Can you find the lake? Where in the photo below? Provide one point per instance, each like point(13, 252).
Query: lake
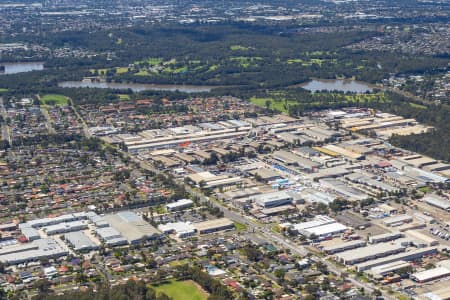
point(342, 85)
point(21, 67)
point(137, 87)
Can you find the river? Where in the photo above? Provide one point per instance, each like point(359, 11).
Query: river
point(21, 67)
point(342, 85)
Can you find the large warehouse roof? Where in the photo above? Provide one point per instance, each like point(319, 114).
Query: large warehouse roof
point(42, 248)
point(370, 252)
point(131, 226)
point(431, 274)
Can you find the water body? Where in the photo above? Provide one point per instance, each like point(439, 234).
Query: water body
point(20, 67)
point(137, 87)
point(341, 85)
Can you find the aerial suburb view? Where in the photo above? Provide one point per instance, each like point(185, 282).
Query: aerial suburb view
point(224, 149)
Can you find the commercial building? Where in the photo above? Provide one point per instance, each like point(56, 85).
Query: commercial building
point(266, 174)
point(344, 246)
point(163, 139)
point(382, 270)
point(110, 236)
point(238, 194)
point(344, 152)
point(332, 172)
point(385, 237)
point(370, 182)
point(213, 226)
point(180, 229)
point(34, 251)
point(430, 274)
point(397, 220)
point(30, 233)
point(318, 220)
point(132, 227)
point(421, 239)
point(290, 158)
point(437, 201)
point(39, 223)
point(424, 218)
point(424, 176)
point(79, 241)
point(272, 199)
point(179, 205)
point(99, 221)
point(440, 294)
point(405, 256)
point(65, 227)
point(208, 180)
point(371, 252)
point(324, 231)
point(343, 190)
point(314, 196)
point(277, 210)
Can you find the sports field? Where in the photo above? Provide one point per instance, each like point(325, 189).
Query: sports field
point(54, 99)
point(182, 290)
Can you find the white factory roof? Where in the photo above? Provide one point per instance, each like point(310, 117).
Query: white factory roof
point(180, 203)
point(269, 197)
point(327, 229)
point(349, 244)
point(42, 248)
point(431, 274)
point(385, 236)
point(421, 236)
point(389, 267)
point(319, 220)
point(178, 227)
point(80, 241)
point(131, 226)
point(369, 251)
point(65, 227)
point(397, 219)
point(437, 201)
point(396, 257)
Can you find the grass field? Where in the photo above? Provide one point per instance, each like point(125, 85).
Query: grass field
point(54, 99)
point(415, 105)
point(277, 105)
point(240, 227)
point(124, 97)
point(182, 290)
point(121, 70)
point(282, 105)
point(152, 61)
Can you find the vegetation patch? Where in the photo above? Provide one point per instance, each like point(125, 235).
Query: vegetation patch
point(121, 70)
point(152, 61)
point(124, 97)
point(240, 227)
point(281, 105)
point(54, 99)
point(238, 48)
point(182, 290)
point(245, 61)
point(142, 72)
point(415, 105)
